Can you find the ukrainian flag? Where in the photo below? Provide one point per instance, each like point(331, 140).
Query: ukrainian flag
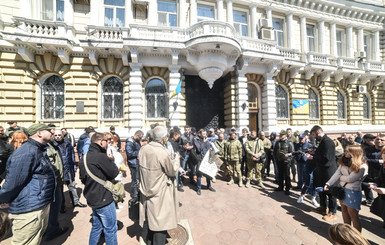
point(301, 106)
point(178, 87)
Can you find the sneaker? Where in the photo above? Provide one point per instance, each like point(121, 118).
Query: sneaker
point(120, 206)
point(230, 182)
point(118, 210)
point(315, 203)
point(212, 189)
point(329, 217)
point(214, 180)
point(300, 199)
point(367, 202)
point(180, 189)
point(199, 192)
point(260, 184)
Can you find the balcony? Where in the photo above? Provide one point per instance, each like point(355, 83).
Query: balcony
point(345, 62)
point(290, 54)
point(317, 58)
point(104, 33)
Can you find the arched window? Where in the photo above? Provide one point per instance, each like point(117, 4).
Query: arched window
point(156, 98)
point(112, 98)
point(52, 92)
point(313, 104)
point(282, 101)
point(366, 106)
point(341, 105)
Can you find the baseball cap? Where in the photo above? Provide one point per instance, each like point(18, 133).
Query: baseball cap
point(11, 122)
point(369, 136)
point(112, 128)
point(283, 132)
point(34, 128)
point(302, 136)
point(211, 130)
point(233, 129)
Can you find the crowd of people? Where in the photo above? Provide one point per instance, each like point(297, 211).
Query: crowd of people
point(36, 163)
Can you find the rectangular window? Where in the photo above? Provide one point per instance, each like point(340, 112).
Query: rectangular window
point(367, 46)
point(114, 15)
point(205, 12)
point(52, 10)
point(140, 12)
point(340, 40)
point(167, 13)
point(310, 32)
point(240, 23)
point(278, 31)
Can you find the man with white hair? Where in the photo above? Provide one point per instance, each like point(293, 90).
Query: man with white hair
point(157, 171)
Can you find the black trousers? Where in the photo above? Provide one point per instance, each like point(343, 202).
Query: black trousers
point(332, 201)
point(284, 174)
point(156, 237)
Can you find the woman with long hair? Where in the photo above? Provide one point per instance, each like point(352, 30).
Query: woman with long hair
point(346, 235)
point(350, 173)
point(18, 138)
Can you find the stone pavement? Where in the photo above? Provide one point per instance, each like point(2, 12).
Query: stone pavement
point(231, 215)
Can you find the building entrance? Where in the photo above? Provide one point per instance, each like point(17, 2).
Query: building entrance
point(204, 106)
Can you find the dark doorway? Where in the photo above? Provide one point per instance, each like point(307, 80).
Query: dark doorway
point(204, 106)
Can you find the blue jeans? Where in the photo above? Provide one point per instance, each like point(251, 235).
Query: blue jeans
point(301, 172)
point(104, 220)
point(308, 179)
point(53, 221)
point(134, 182)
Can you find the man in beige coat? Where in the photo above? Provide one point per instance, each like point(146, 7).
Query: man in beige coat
point(158, 202)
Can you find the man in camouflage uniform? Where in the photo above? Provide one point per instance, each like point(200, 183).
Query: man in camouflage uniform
point(254, 150)
point(294, 140)
point(267, 149)
point(233, 154)
point(220, 145)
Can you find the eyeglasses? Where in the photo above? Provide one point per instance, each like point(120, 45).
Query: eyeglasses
point(109, 139)
point(49, 130)
point(57, 134)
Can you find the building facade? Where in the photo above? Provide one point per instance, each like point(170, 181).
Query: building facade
point(261, 64)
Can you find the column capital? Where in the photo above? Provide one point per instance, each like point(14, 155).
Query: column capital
point(136, 66)
point(174, 68)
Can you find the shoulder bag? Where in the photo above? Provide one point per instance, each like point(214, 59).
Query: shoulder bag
point(338, 191)
point(116, 188)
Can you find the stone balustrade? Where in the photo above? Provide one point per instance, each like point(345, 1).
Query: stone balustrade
point(107, 33)
point(259, 45)
point(157, 33)
point(41, 28)
point(290, 54)
point(317, 58)
point(375, 66)
point(345, 62)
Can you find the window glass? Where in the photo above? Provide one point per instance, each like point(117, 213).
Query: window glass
point(53, 98)
point(156, 100)
point(341, 105)
point(367, 46)
point(47, 9)
point(112, 98)
point(108, 17)
point(240, 22)
point(281, 97)
point(278, 29)
point(313, 104)
point(167, 13)
point(120, 3)
point(310, 37)
point(59, 10)
point(340, 43)
point(119, 17)
point(114, 13)
point(205, 12)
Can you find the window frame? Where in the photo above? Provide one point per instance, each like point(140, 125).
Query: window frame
point(282, 20)
point(287, 102)
point(315, 91)
point(206, 4)
point(167, 13)
point(239, 10)
point(369, 106)
point(102, 93)
point(342, 42)
point(368, 47)
point(114, 18)
point(155, 109)
point(54, 10)
point(314, 37)
point(42, 94)
point(343, 94)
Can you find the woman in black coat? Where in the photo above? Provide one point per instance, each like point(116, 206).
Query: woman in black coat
point(378, 206)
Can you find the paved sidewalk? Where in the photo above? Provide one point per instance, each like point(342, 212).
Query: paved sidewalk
point(231, 215)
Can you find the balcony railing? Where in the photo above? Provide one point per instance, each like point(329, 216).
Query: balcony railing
point(375, 66)
point(345, 62)
point(206, 28)
point(259, 45)
point(323, 59)
point(42, 28)
point(290, 54)
point(107, 33)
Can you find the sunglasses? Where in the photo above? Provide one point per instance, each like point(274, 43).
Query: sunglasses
point(57, 134)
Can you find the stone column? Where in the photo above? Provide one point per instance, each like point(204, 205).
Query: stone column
point(220, 10)
point(94, 9)
point(193, 12)
point(349, 42)
point(304, 46)
point(376, 45)
point(182, 14)
point(289, 23)
point(135, 101)
point(153, 13)
point(269, 17)
point(269, 111)
point(360, 39)
point(253, 14)
point(230, 16)
point(129, 13)
point(333, 39)
point(69, 12)
point(321, 33)
point(242, 102)
point(174, 104)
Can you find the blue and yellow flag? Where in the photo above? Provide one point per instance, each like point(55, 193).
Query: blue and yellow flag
point(301, 106)
point(178, 87)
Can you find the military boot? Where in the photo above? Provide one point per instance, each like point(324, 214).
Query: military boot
point(260, 184)
point(240, 184)
point(231, 181)
point(247, 183)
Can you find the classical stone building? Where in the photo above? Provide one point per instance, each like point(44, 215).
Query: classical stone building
point(262, 64)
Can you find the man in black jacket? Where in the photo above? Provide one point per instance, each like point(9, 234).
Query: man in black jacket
point(325, 160)
point(98, 197)
point(282, 153)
